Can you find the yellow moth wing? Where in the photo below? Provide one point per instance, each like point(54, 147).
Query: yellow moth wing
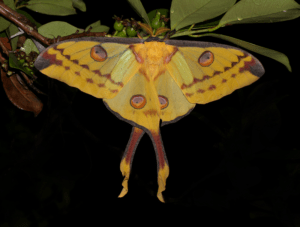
point(206, 72)
point(173, 104)
point(76, 63)
point(137, 103)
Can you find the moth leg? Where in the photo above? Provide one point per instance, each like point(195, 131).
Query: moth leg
point(126, 162)
point(162, 163)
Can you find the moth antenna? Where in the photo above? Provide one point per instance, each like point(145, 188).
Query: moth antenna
point(161, 30)
point(169, 34)
point(147, 28)
point(139, 35)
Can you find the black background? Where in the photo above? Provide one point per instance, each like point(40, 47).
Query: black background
point(86, 152)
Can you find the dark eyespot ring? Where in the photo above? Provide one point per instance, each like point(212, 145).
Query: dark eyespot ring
point(98, 53)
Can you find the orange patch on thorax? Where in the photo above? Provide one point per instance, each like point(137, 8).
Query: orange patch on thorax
point(153, 56)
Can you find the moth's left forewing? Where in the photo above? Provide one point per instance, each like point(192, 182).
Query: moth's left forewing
point(208, 71)
point(98, 66)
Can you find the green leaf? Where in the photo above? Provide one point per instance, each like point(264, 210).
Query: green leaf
point(186, 32)
point(97, 27)
point(208, 24)
point(29, 46)
point(277, 56)
point(261, 11)
point(28, 16)
point(14, 63)
point(13, 29)
point(57, 28)
point(79, 4)
point(52, 7)
point(3, 34)
point(4, 24)
point(139, 8)
point(184, 13)
point(152, 14)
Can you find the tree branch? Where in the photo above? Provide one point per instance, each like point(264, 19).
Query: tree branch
point(22, 22)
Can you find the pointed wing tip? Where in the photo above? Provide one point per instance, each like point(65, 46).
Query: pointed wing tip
point(257, 69)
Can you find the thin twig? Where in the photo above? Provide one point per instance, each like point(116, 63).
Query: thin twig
point(29, 28)
point(21, 22)
point(30, 83)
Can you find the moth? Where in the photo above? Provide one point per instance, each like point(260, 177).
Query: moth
point(147, 81)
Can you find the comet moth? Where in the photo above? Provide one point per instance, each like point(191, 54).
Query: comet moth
point(147, 81)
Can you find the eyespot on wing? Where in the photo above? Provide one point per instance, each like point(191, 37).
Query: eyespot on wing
point(98, 53)
point(138, 101)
